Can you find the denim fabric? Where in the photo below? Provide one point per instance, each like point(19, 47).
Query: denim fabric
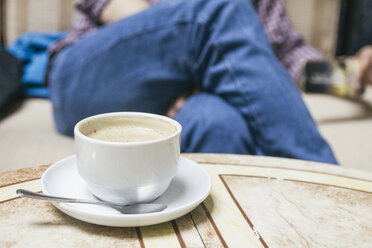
point(210, 124)
point(144, 62)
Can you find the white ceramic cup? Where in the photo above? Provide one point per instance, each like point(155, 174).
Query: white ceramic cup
point(127, 172)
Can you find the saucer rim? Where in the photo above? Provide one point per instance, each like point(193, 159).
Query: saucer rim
point(173, 213)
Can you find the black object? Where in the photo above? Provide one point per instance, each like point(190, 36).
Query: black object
point(317, 77)
point(355, 26)
point(10, 73)
point(10, 81)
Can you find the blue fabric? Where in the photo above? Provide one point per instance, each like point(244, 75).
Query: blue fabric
point(249, 104)
point(208, 119)
point(31, 48)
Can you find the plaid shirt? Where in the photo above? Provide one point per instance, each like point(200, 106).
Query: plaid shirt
point(288, 45)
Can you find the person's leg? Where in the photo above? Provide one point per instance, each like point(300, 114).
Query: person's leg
point(237, 63)
point(211, 125)
point(144, 62)
point(136, 64)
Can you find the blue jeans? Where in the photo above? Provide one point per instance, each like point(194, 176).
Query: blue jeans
point(248, 104)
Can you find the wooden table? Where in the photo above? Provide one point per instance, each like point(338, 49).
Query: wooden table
point(255, 202)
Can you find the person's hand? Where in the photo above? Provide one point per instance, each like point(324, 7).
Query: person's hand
point(180, 101)
point(119, 9)
point(178, 104)
point(365, 74)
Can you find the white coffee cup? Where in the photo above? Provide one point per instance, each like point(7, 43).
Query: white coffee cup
point(129, 171)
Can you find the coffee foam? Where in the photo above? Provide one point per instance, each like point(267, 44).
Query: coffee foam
point(127, 129)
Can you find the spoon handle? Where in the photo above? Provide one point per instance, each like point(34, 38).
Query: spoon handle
point(33, 195)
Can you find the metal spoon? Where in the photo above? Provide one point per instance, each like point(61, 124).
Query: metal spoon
point(140, 208)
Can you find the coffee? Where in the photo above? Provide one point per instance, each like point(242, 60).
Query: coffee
point(127, 129)
point(127, 157)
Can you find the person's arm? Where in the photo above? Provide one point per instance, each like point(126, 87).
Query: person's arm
point(289, 47)
point(86, 20)
point(365, 73)
point(118, 9)
point(91, 10)
point(95, 13)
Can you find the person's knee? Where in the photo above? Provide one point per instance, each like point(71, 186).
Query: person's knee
point(212, 125)
point(219, 117)
point(59, 112)
point(61, 123)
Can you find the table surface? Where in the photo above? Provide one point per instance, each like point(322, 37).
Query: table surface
point(254, 202)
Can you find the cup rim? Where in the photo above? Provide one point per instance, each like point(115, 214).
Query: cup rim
point(173, 122)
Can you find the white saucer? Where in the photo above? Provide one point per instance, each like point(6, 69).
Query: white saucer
point(188, 189)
